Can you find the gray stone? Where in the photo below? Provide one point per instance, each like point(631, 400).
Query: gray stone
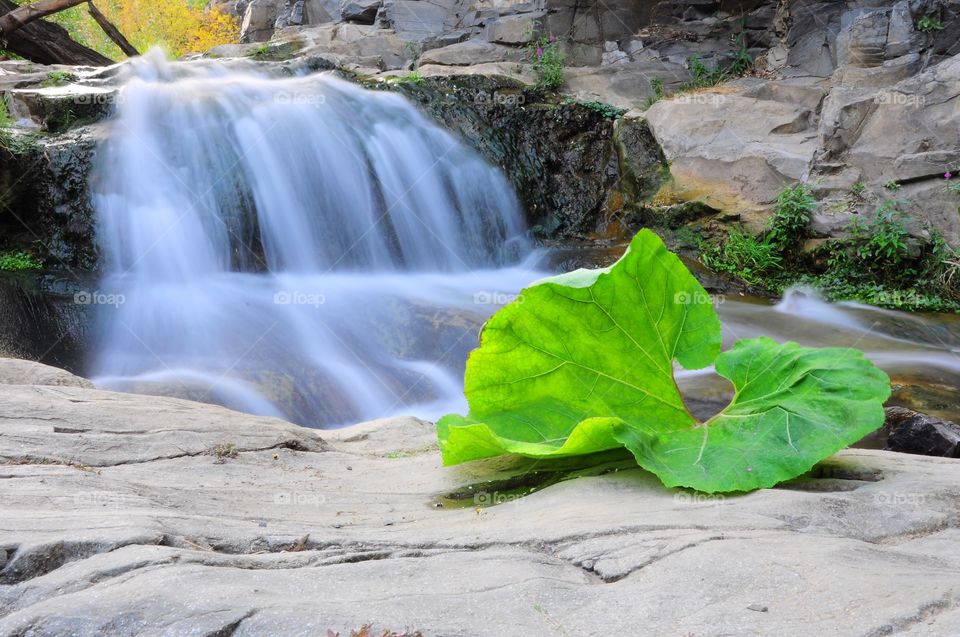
point(258, 20)
point(912, 432)
point(362, 11)
point(22, 372)
point(469, 53)
point(145, 538)
point(514, 29)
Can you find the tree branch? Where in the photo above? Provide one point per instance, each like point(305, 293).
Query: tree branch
point(112, 32)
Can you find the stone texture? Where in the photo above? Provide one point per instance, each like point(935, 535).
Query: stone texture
point(362, 11)
point(22, 372)
point(911, 432)
point(125, 526)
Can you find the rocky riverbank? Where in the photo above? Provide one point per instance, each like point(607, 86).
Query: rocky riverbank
point(128, 514)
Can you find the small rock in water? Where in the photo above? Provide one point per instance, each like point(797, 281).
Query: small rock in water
point(760, 608)
point(913, 432)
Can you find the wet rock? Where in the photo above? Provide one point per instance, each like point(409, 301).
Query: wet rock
point(573, 169)
point(912, 432)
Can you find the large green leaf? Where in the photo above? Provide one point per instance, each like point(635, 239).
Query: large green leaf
point(584, 362)
point(793, 407)
point(579, 354)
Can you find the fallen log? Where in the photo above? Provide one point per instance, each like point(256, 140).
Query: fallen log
point(46, 43)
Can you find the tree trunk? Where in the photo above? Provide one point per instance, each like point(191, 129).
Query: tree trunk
point(26, 14)
point(47, 43)
point(112, 32)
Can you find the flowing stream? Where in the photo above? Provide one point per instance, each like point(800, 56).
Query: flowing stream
point(285, 246)
point(308, 249)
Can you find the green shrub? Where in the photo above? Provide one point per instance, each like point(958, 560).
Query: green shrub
point(929, 23)
point(18, 262)
point(547, 60)
point(745, 256)
point(791, 217)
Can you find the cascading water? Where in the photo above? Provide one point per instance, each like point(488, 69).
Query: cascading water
point(296, 247)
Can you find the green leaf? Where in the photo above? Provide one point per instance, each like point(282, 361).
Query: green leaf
point(580, 354)
point(584, 362)
point(793, 407)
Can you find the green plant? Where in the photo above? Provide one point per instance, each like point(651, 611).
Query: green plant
point(18, 262)
point(607, 111)
point(883, 242)
point(892, 185)
point(929, 23)
point(791, 217)
point(261, 50)
point(547, 60)
point(585, 364)
point(858, 189)
point(656, 84)
point(741, 62)
point(744, 256)
point(413, 77)
point(58, 78)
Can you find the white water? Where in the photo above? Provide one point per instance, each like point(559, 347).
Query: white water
point(291, 247)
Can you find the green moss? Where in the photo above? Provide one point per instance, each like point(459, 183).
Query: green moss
point(18, 262)
point(58, 78)
point(607, 111)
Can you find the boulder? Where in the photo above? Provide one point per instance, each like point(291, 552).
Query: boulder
point(362, 11)
point(126, 514)
point(515, 29)
point(912, 432)
point(22, 372)
point(469, 53)
point(259, 19)
point(736, 147)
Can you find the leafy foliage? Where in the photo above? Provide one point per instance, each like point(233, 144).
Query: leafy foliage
point(791, 217)
point(750, 258)
point(879, 263)
point(178, 26)
point(18, 262)
point(585, 363)
point(606, 111)
point(547, 60)
point(929, 23)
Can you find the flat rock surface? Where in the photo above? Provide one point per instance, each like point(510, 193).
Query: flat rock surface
point(136, 515)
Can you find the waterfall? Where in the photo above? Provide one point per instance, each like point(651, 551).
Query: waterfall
point(298, 247)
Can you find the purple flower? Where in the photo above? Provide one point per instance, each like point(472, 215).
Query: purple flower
point(539, 51)
point(948, 175)
point(551, 38)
